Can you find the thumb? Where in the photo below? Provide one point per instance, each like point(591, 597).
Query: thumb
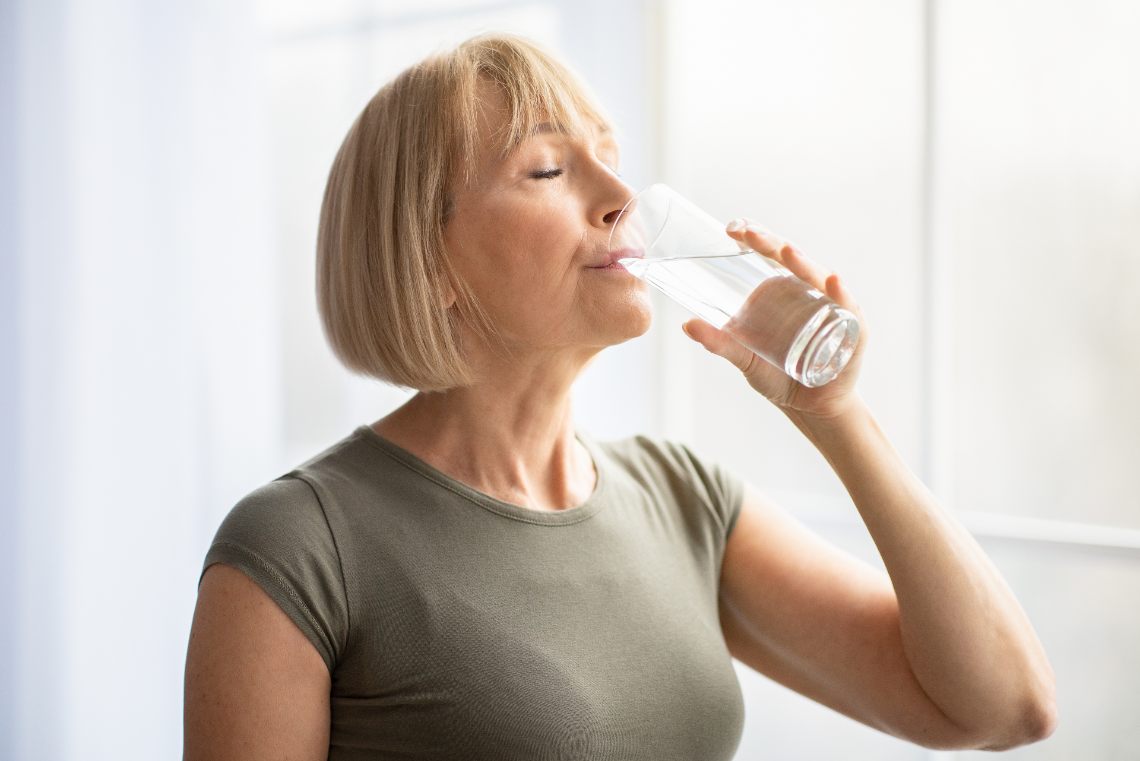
point(720, 343)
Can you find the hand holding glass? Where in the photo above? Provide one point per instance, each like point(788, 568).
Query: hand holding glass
point(686, 253)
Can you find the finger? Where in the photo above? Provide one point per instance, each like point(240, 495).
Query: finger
point(764, 241)
point(720, 343)
point(837, 292)
point(735, 230)
point(760, 239)
point(803, 268)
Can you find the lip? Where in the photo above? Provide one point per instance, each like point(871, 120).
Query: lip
point(620, 253)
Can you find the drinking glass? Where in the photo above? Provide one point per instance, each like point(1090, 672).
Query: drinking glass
point(686, 253)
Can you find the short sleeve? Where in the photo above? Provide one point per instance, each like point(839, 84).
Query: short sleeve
point(278, 536)
point(724, 486)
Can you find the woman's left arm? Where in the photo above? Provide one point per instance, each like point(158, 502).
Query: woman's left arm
point(966, 637)
point(943, 653)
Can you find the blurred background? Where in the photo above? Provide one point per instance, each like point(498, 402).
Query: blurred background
point(971, 167)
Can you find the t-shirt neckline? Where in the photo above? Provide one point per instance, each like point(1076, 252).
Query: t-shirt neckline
point(576, 514)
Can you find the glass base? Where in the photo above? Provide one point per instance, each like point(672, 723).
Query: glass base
point(823, 347)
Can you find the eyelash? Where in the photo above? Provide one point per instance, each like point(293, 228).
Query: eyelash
point(550, 174)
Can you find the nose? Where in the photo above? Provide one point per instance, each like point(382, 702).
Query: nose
point(612, 217)
point(617, 199)
point(620, 233)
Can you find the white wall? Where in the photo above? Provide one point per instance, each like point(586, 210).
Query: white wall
point(144, 356)
point(1038, 188)
point(973, 170)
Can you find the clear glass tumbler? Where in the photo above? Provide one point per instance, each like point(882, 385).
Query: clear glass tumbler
point(686, 253)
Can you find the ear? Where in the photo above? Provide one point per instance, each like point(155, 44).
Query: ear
point(447, 297)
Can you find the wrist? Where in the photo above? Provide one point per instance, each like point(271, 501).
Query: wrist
point(853, 411)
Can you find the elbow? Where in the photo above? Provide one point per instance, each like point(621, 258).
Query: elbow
point(1034, 719)
point(1035, 722)
point(1038, 716)
point(1045, 709)
point(1034, 726)
point(1046, 720)
point(1039, 719)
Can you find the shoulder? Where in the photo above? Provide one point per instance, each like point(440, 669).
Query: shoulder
point(279, 525)
point(279, 537)
point(682, 469)
point(296, 502)
point(641, 450)
point(284, 507)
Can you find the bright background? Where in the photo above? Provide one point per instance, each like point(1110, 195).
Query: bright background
point(971, 167)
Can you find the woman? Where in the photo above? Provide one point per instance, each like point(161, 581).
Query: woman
point(473, 577)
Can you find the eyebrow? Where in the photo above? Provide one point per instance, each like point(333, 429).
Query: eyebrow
point(545, 128)
point(605, 133)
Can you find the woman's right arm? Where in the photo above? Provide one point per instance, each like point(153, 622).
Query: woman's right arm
point(256, 688)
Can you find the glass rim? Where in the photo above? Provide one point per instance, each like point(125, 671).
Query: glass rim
point(624, 209)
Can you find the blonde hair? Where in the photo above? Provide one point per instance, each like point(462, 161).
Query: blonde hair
point(382, 272)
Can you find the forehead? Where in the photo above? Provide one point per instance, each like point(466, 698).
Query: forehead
point(507, 127)
point(502, 124)
point(599, 133)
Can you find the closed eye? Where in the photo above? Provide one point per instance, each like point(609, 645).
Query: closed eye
point(546, 174)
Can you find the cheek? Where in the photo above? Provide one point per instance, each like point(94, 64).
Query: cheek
point(538, 246)
point(519, 257)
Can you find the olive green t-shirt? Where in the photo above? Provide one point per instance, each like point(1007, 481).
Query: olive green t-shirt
point(458, 626)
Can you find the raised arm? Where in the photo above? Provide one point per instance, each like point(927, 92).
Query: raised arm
point(938, 651)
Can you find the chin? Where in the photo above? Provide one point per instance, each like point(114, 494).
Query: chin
point(633, 321)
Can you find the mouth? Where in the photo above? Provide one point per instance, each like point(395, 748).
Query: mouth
point(611, 260)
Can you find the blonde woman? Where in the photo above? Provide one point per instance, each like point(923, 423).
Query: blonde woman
point(474, 577)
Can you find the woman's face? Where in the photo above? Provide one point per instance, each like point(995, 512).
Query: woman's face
point(529, 237)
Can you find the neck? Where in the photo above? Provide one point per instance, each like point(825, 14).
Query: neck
point(514, 441)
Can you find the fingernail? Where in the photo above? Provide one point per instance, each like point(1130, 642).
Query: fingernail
point(758, 229)
point(735, 225)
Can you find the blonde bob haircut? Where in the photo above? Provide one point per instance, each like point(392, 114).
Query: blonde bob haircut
point(382, 271)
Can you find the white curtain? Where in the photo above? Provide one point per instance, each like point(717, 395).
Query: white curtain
point(141, 379)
